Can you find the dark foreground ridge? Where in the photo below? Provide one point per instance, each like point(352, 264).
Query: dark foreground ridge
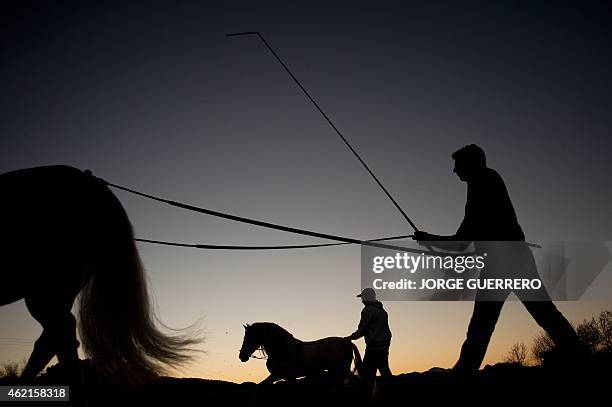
point(500, 383)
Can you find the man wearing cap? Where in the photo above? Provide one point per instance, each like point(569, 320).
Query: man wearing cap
point(490, 217)
point(374, 326)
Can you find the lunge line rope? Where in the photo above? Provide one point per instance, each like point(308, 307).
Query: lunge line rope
point(269, 225)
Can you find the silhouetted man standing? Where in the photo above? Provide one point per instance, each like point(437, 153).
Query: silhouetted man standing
point(490, 217)
point(374, 326)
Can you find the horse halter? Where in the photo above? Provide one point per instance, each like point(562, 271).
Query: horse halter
point(265, 357)
point(257, 357)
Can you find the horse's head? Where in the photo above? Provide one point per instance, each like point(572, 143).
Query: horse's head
point(250, 343)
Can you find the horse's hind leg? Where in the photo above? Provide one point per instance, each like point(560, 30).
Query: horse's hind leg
point(59, 333)
point(342, 371)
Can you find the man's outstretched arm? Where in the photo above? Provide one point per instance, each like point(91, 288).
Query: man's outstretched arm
point(361, 328)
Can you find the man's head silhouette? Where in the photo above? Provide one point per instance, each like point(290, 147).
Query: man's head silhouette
point(468, 161)
point(368, 295)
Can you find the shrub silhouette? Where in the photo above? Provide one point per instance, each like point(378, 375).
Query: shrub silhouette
point(517, 354)
point(595, 334)
point(10, 369)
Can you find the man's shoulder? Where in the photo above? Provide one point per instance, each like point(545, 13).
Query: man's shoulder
point(492, 176)
point(374, 307)
point(488, 180)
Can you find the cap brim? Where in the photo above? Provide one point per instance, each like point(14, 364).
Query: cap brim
point(358, 295)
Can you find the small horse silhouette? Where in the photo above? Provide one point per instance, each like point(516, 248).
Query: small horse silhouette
point(64, 232)
point(290, 358)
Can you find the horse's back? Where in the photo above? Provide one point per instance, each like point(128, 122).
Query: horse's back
point(28, 183)
point(331, 340)
point(42, 203)
point(42, 213)
point(326, 352)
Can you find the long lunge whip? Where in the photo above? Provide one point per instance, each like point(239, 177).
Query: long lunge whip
point(328, 120)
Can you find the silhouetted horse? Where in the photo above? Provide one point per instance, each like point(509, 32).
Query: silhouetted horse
point(64, 232)
point(290, 358)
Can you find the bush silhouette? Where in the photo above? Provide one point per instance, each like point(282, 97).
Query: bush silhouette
point(517, 354)
point(10, 369)
point(595, 334)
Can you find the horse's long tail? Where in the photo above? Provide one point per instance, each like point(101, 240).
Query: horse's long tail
point(116, 322)
point(357, 359)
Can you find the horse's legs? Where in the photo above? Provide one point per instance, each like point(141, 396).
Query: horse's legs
point(341, 370)
point(339, 374)
point(58, 336)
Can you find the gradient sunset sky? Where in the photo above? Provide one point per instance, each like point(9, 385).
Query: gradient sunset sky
point(153, 96)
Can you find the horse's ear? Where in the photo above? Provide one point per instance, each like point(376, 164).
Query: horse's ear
point(245, 326)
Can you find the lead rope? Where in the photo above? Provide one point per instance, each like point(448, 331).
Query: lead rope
point(269, 225)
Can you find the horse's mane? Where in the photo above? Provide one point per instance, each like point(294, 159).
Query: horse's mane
point(273, 337)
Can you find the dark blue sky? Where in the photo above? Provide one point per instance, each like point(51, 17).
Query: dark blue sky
point(152, 95)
